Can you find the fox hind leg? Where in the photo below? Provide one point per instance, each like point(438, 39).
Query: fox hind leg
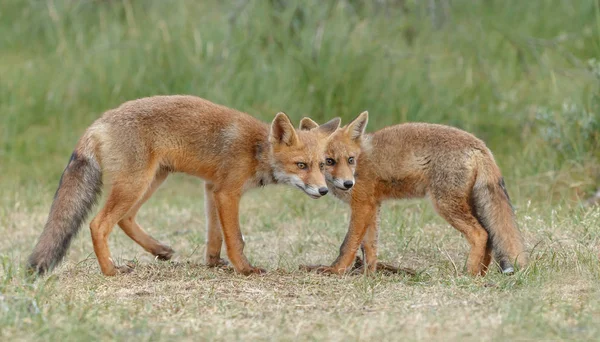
point(487, 258)
point(457, 212)
point(129, 225)
point(126, 191)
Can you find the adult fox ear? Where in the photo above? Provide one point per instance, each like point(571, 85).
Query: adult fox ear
point(357, 127)
point(330, 126)
point(282, 130)
point(306, 124)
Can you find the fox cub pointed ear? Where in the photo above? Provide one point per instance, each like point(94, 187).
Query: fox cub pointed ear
point(330, 126)
point(357, 127)
point(282, 130)
point(306, 124)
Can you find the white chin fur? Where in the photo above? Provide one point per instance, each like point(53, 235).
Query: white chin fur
point(297, 182)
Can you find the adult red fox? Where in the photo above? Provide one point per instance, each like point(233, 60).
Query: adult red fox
point(139, 143)
point(454, 168)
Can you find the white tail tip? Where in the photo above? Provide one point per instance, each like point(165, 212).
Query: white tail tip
point(508, 270)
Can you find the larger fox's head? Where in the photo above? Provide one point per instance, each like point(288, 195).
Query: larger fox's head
point(297, 157)
point(342, 151)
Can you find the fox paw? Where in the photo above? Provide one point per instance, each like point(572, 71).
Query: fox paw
point(321, 269)
point(252, 270)
point(219, 263)
point(165, 253)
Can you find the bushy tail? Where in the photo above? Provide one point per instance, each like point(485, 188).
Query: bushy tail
point(495, 213)
point(78, 191)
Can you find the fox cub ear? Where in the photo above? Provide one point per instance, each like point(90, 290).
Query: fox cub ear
point(357, 127)
point(306, 124)
point(330, 126)
point(282, 130)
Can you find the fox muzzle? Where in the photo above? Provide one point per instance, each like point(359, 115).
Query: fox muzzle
point(343, 184)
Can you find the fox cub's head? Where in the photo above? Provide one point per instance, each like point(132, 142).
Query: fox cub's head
point(342, 151)
point(297, 157)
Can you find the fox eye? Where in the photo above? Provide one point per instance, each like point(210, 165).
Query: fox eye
point(351, 160)
point(330, 161)
point(301, 165)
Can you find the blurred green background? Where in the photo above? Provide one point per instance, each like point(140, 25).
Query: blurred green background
point(522, 75)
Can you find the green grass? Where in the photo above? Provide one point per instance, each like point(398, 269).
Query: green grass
point(522, 75)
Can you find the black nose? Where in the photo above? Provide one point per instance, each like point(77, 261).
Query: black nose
point(323, 191)
point(348, 184)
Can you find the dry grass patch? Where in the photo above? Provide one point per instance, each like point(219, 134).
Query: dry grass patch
point(556, 298)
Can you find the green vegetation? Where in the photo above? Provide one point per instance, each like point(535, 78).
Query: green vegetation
point(522, 75)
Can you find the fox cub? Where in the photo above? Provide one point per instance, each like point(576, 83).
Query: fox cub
point(139, 143)
point(452, 167)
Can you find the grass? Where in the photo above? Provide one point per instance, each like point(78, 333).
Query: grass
point(556, 298)
point(522, 75)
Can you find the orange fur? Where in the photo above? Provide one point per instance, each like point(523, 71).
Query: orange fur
point(454, 168)
point(139, 143)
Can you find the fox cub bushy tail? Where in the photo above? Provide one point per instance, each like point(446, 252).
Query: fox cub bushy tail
point(139, 143)
point(78, 190)
point(450, 166)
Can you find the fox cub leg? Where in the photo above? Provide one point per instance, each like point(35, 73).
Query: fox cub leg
point(487, 258)
point(457, 212)
point(228, 207)
point(137, 233)
point(126, 191)
point(214, 237)
point(363, 216)
point(369, 244)
point(369, 251)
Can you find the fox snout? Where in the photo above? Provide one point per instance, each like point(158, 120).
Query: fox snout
point(343, 184)
point(314, 191)
point(312, 188)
